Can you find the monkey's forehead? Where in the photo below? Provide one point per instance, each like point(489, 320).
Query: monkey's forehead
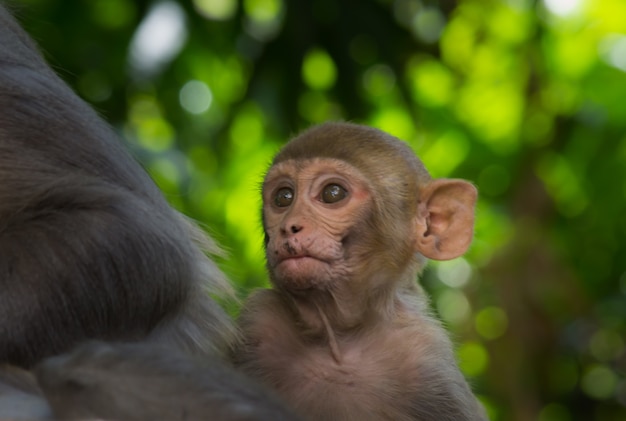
point(312, 167)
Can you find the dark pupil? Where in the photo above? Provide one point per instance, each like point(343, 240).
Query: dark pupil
point(284, 197)
point(333, 193)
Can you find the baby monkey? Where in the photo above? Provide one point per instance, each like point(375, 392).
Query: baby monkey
point(350, 216)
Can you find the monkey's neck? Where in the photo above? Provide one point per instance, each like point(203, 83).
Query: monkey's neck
point(326, 319)
point(334, 314)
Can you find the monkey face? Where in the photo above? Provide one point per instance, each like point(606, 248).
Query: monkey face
point(311, 212)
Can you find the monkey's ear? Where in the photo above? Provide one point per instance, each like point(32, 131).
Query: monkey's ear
point(445, 218)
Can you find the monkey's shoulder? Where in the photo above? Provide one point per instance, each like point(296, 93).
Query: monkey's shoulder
point(266, 331)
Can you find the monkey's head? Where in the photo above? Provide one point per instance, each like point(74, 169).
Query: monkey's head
point(344, 203)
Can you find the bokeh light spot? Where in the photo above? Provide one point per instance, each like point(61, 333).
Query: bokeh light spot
point(454, 273)
point(453, 306)
point(473, 358)
point(216, 9)
point(599, 382)
point(195, 97)
point(318, 70)
point(491, 322)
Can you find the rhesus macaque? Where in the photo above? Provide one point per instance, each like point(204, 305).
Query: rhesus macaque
point(89, 248)
point(20, 396)
point(127, 382)
point(350, 215)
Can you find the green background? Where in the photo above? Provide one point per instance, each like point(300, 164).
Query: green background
point(526, 99)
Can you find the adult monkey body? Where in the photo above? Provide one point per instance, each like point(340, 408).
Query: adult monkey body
point(349, 214)
point(134, 382)
point(138, 382)
point(89, 248)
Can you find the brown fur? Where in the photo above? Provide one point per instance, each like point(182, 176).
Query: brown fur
point(89, 248)
point(346, 333)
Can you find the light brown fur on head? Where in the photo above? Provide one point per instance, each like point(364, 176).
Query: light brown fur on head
point(373, 153)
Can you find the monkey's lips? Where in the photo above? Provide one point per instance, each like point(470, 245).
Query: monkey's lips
point(296, 260)
point(300, 264)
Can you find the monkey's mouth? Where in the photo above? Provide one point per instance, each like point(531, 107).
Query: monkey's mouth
point(299, 262)
point(296, 258)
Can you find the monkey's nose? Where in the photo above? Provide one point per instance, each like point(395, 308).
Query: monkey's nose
point(296, 228)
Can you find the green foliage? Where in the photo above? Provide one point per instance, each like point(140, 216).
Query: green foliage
point(524, 98)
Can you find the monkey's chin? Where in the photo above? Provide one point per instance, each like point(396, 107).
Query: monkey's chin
point(300, 273)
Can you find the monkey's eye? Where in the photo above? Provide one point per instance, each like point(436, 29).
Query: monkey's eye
point(283, 197)
point(333, 193)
